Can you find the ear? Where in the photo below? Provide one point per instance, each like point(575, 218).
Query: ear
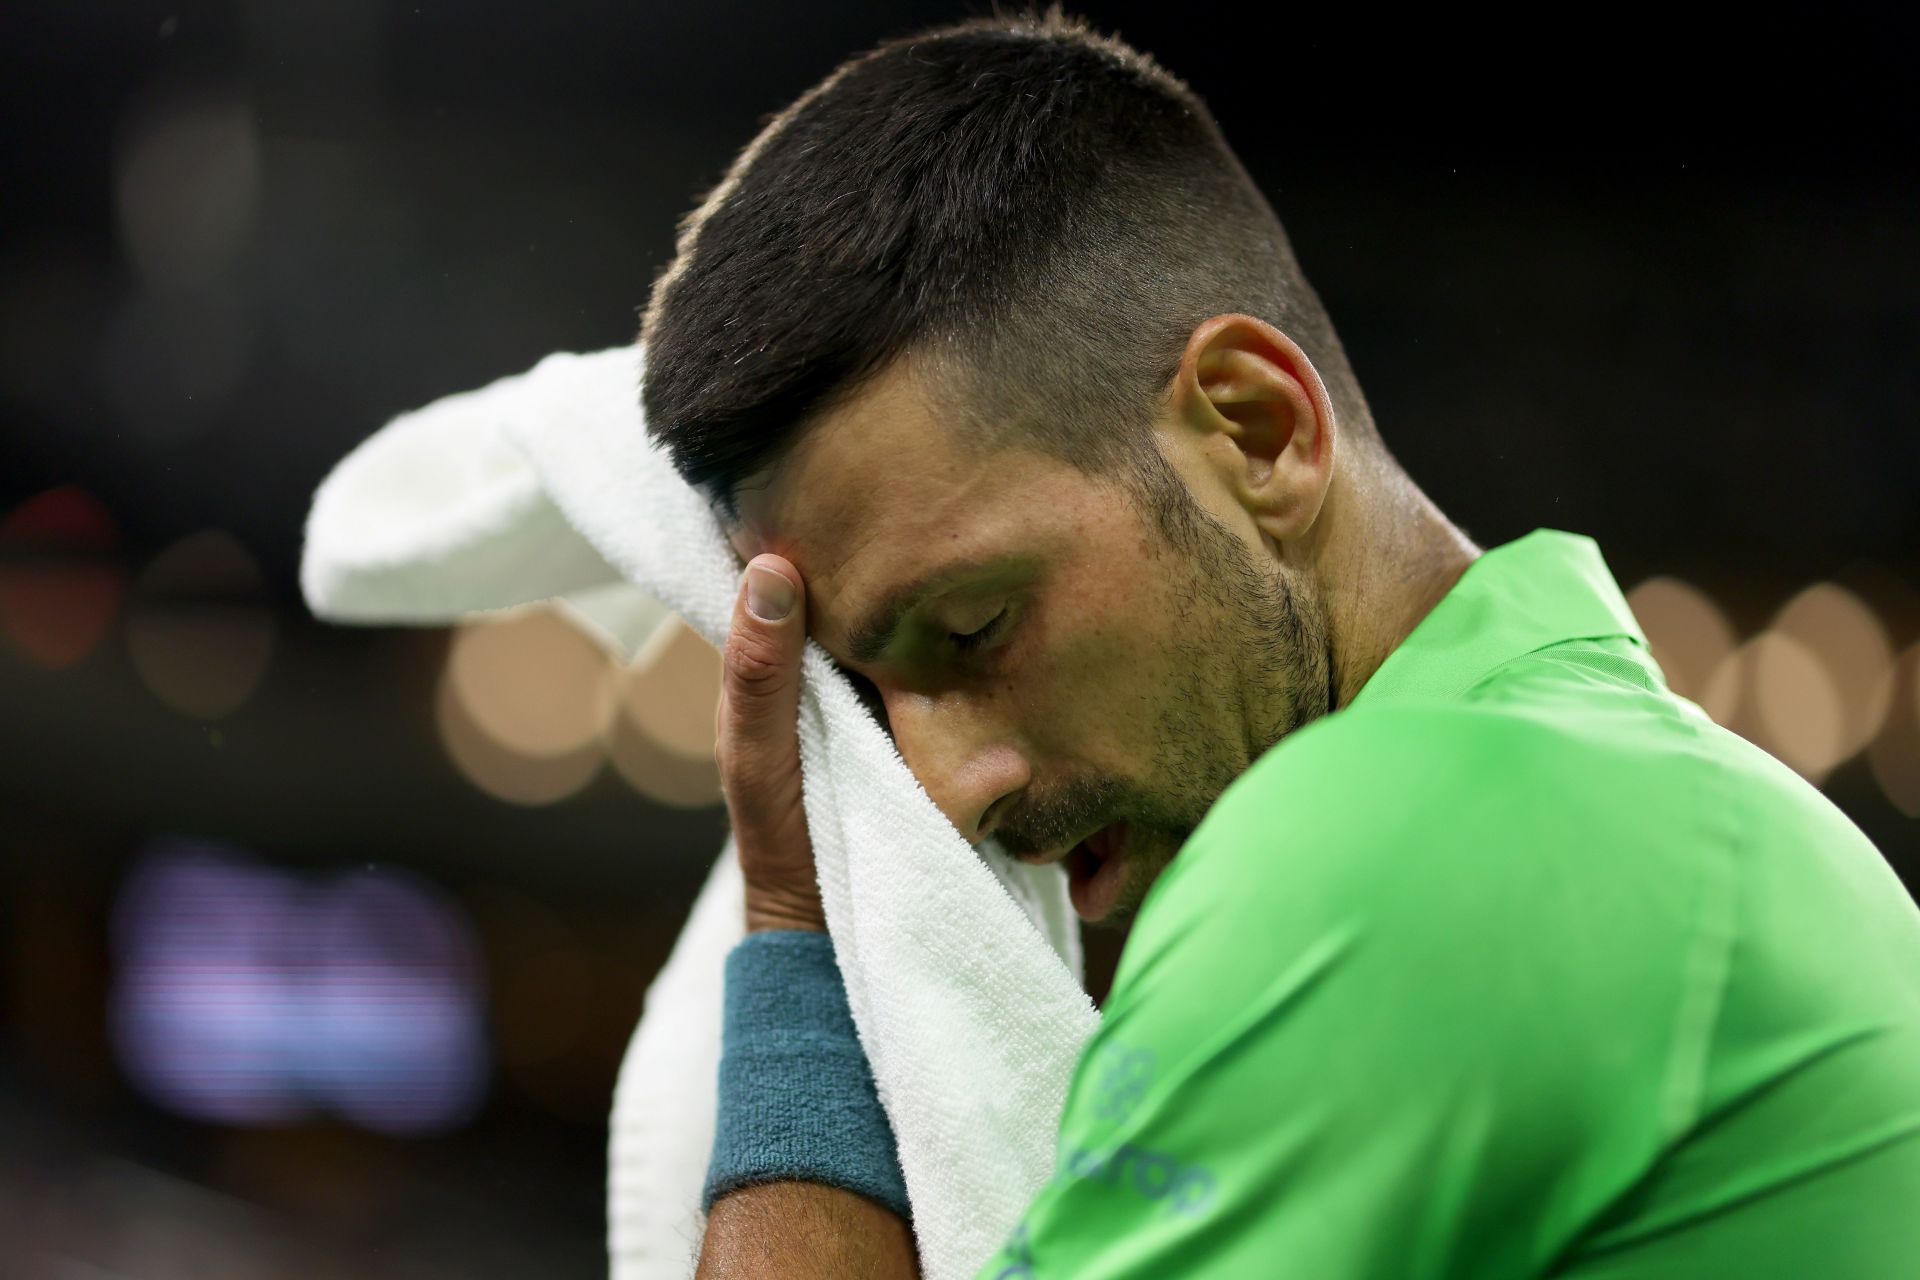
point(1263, 420)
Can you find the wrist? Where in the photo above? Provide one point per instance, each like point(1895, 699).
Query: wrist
point(767, 911)
point(796, 1096)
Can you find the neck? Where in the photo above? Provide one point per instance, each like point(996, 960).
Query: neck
point(1387, 556)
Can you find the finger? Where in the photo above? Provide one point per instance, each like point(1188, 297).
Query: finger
point(761, 674)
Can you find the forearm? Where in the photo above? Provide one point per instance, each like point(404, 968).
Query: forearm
point(805, 1231)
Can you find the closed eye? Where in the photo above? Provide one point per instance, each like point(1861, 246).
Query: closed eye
point(972, 640)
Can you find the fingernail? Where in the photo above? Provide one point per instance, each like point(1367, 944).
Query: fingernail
point(769, 594)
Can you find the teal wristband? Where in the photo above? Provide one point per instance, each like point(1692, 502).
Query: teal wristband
point(797, 1100)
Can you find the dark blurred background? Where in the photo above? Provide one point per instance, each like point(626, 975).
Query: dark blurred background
point(321, 946)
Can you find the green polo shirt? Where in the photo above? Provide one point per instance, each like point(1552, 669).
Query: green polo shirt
point(1517, 966)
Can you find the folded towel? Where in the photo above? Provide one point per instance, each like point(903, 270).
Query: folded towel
point(962, 965)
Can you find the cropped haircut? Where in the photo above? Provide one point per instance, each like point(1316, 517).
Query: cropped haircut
point(1038, 215)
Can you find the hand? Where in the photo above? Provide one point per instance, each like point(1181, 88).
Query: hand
point(757, 746)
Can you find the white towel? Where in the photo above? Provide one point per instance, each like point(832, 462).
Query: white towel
point(963, 966)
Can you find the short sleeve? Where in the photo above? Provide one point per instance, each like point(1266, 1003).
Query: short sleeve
point(1412, 1002)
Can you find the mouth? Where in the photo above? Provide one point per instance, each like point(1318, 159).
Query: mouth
point(1095, 868)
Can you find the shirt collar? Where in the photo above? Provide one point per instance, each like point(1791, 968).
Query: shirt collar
point(1543, 589)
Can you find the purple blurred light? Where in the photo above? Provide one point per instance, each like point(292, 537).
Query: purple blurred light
point(247, 995)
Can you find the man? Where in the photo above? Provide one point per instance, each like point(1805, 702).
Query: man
point(1463, 947)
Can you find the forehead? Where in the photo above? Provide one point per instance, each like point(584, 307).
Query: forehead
point(885, 488)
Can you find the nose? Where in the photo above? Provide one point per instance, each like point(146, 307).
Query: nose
point(967, 759)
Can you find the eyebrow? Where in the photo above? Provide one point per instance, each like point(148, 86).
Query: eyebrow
point(869, 641)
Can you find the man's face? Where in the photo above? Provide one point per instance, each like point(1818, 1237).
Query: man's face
point(1065, 669)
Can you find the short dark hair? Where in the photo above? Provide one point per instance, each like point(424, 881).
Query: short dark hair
point(1038, 213)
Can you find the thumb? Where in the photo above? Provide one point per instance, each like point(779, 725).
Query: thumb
point(762, 665)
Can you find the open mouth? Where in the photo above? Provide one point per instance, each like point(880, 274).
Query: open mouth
point(1094, 871)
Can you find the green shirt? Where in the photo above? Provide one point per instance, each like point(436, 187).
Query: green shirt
point(1518, 966)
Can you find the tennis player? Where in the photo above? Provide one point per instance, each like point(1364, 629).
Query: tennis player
point(1461, 946)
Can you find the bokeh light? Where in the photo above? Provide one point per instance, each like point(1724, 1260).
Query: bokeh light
point(394, 1001)
point(1814, 687)
point(185, 185)
point(532, 682)
point(659, 774)
point(1688, 633)
point(199, 629)
point(251, 996)
point(500, 771)
point(530, 704)
point(1894, 755)
point(1851, 643)
point(59, 587)
point(1797, 705)
point(662, 741)
point(672, 688)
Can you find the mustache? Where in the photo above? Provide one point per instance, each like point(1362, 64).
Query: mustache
point(1049, 820)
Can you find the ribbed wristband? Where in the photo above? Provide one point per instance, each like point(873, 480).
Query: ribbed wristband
point(797, 1099)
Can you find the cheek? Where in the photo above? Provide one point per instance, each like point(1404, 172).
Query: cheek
point(1098, 668)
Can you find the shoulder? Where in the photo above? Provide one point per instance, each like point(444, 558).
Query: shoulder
point(1355, 789)
point(1422, 748)
point(1422, 827)
point(1414, 896)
